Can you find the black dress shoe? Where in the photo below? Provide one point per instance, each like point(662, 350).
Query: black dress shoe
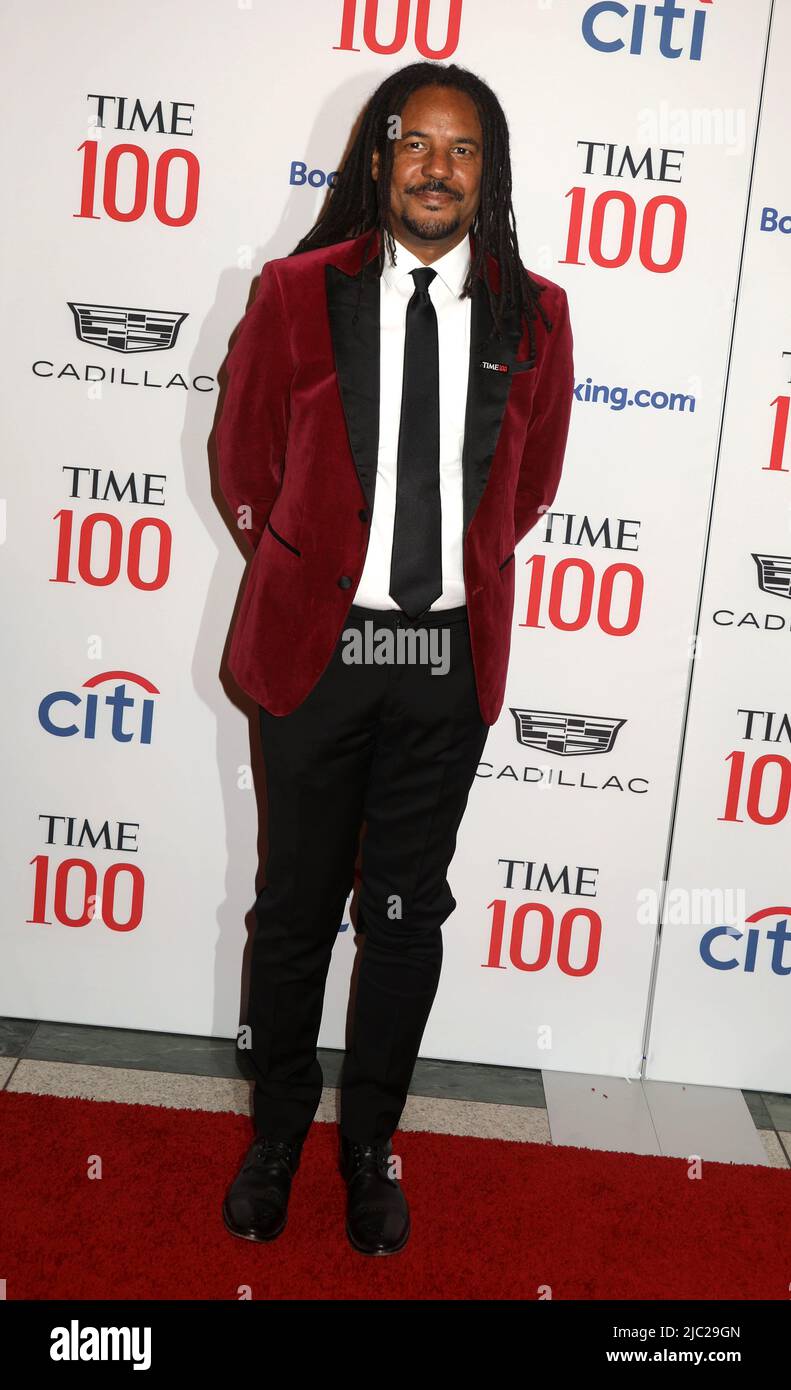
point(377, 1215)
point(256, 1204)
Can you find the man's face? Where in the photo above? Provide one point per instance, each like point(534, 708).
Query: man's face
point(436, 178)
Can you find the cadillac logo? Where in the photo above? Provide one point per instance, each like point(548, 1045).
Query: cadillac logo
point(774, 574)
point(566, 734)
point(126, 330)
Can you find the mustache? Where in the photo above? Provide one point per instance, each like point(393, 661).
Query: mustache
point(436, 188)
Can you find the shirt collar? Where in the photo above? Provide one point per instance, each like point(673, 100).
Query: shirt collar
point(451, 268)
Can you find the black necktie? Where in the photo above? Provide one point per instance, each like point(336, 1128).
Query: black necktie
point(416, 566)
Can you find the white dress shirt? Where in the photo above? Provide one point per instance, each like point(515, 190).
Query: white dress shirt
point(453, 330)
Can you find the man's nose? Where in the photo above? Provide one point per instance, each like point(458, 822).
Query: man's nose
point(438, 166)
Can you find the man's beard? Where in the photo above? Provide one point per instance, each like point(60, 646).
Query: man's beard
point(432, 228)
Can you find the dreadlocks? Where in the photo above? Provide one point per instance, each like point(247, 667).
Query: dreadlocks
point(359, 203)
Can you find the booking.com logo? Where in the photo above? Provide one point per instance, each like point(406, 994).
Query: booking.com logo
point(675, 30)
point(589, 392)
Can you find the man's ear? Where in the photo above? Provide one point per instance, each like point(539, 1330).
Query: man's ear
point(375, 165)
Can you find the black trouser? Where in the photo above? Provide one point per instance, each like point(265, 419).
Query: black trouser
point(397, 747)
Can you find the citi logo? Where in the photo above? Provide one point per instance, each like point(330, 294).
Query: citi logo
point(729, 948)
point(123, 715)
point(676, 31)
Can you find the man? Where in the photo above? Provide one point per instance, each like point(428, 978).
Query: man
point(394, 424)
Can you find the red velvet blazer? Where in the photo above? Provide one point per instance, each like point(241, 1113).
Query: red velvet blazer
point(297, 446)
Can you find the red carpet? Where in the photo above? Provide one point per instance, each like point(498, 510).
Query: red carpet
point(491, 1219)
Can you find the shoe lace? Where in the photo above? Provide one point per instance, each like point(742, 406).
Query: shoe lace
point(368, 1156)
point(266, 1150)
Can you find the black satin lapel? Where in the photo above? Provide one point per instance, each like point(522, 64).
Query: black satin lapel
point(356, 350)
point(487, 394)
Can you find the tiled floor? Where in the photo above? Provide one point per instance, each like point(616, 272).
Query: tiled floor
point(445, 1097)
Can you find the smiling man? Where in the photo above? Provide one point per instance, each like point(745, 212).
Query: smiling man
point(446, 185)
point(395, 422)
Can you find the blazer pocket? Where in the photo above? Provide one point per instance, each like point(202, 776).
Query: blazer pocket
point(506, 561)
point(282, 540)
point(523, 366)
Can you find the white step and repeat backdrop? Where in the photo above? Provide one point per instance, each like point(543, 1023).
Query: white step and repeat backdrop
point(620, 873)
